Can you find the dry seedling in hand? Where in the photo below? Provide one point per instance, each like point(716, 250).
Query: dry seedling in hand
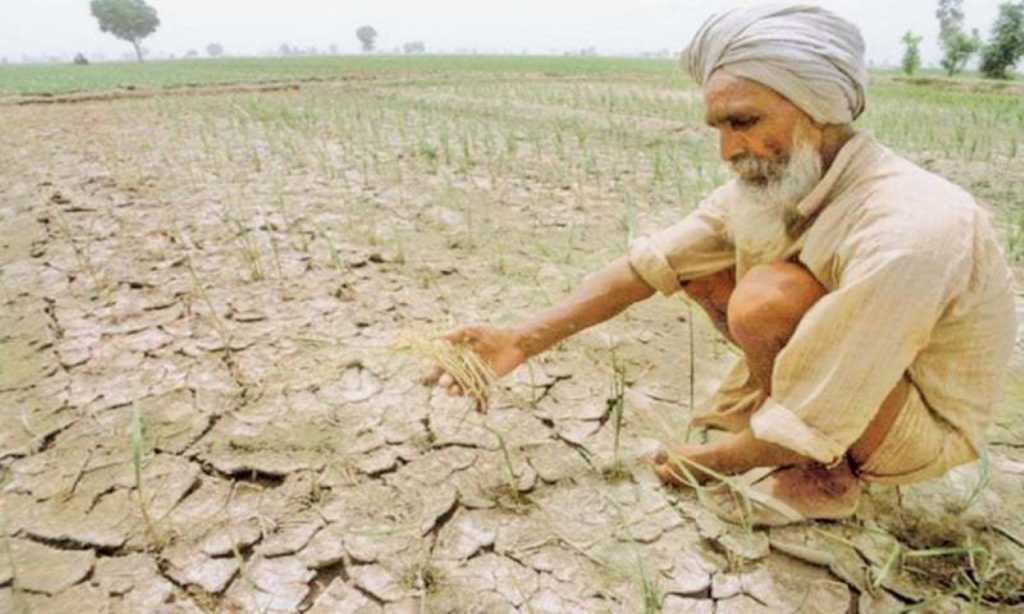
point(458, 360)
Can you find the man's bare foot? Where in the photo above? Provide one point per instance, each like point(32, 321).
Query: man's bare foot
point(812, 491)
point(731, 455)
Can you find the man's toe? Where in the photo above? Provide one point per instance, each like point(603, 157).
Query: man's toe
point(667, 474)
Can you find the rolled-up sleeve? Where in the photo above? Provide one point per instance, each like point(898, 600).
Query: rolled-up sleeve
point(696, 246)
point(853, 346)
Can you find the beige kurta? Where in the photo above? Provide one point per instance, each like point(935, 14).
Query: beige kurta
point(917, 286)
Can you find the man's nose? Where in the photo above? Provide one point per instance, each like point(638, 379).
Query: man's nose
point(731, 145)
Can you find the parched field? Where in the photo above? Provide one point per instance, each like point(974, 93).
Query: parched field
point(205, 405)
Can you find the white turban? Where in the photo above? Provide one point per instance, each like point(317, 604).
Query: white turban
point(811, 56)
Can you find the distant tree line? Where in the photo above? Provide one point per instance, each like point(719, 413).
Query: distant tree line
point(999, 55)
point(289, 50)
point(414, 47)
point(134, 20)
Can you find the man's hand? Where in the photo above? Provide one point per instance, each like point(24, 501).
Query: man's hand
point(498, 348)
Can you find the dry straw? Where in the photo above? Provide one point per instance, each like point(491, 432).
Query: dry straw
point(458, 360)
point(736, 489)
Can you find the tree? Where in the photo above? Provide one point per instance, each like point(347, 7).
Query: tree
point(951, 18)
point(1007, 45)
point(367, 36)
point(958, 50)
point(215, 50)
point(912, 53)
point(128, 20)
point(957, 46)
point(414, 47)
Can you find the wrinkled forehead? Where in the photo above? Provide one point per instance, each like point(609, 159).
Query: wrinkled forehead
point(727, 95)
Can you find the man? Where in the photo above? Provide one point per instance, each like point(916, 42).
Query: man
point(870, 298)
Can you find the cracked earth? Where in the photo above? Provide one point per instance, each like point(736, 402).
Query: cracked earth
point(236, 277)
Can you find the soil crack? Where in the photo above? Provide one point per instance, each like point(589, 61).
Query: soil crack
point(74, 545)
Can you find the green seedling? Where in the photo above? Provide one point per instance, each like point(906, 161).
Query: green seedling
point(137, 443)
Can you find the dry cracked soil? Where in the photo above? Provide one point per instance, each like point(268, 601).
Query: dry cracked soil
point(289, 459)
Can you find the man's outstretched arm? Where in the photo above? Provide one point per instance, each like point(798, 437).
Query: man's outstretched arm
point(601, 296)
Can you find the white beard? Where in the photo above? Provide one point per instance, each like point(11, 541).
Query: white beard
point(759, 222)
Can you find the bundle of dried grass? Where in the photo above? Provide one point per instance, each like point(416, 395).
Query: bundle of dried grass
point(470, 372)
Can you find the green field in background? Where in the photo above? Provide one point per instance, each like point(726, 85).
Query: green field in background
point(66, 78)
point(37, 79)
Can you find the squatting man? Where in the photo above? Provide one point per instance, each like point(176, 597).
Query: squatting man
point(870, 299)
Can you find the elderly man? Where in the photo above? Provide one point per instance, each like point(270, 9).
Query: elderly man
point(870, 298)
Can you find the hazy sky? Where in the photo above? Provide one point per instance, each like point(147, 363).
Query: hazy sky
point(64, 27)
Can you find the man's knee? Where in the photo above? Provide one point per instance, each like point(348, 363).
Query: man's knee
point(770, 301)
point(714, 289)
